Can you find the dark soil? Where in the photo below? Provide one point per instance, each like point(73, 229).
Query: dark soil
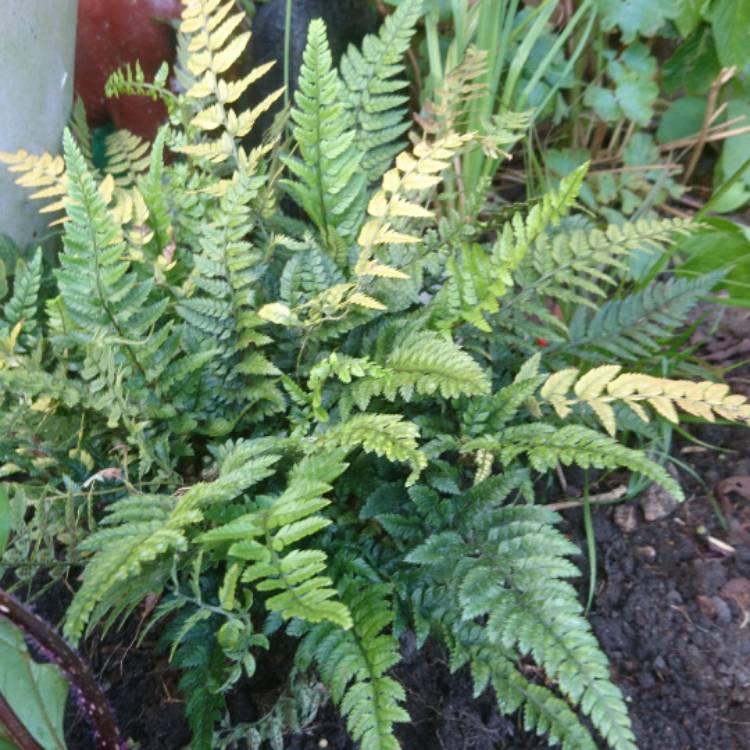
point(672, 610)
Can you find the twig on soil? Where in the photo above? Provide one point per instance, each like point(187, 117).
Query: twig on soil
point(605, 497)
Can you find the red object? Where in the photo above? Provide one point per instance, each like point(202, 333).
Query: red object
point(112, 33)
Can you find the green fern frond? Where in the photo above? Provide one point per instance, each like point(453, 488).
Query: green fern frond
point(330, 184)
point(543, 712)
point(353, 665)
point(152, 189)
point(601, 387)
point(374, 78)
point(123, 551)
point(21, 309)
point(387, 435)
point(546, 446)
point(79, 126)
point(566, 266)
point(225, 275)
point(423, 364)
point(131, 81)
point(515, 583)
point(264, 539)
point(478, 278)
point(98, 287)
point(632, 328)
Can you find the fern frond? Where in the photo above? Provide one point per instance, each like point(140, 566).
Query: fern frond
point(374, 78)
point(131, 81)
point(478, 278)
point(215, 128)
point(386, 435)
point(22, 307)
point(601, 387)
point(632, 328)
point(459, 87)
point(423, 363)
point(152, 189)
point(567, 266)
point(330, 184)
point(264, 539)
point(79, 126)
point(221, 309)
point(127, 157)
point(123, 551)
point(45, 174)
point(415, 172)
point(546, 446)
point(515, 583)
point(543, 712)
point(353, 665)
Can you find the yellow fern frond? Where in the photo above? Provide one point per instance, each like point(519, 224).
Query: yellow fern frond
point(603, 386)
point(415, 172)
point(127, 157)
point(46, 173)
point(213, 47)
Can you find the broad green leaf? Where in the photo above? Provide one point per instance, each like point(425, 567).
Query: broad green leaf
point(730, 21)
point(733, 154)
point(688, 16)
point(683, 118)
point(723, 245)
point(694, 65)
point(36, 692)
point(637, 17)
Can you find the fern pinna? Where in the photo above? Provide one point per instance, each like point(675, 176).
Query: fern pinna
point(332, 429)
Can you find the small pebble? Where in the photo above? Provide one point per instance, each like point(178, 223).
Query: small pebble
point(625, 517)
point(657, 503)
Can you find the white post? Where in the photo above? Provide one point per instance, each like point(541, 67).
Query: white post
point(37, 52)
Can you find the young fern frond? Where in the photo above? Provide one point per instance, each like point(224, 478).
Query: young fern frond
point(546, 446)
point(374, 78)
point(421, 364)
point(632, 328)
point(330, 184)
point(460, 86)
point(387, 435)
point(131, 81)
point(215, 128)
point(353, 665)
point(415, 173)
point(603, 386)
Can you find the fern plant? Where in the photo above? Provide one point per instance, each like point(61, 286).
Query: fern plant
point(329, 429)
